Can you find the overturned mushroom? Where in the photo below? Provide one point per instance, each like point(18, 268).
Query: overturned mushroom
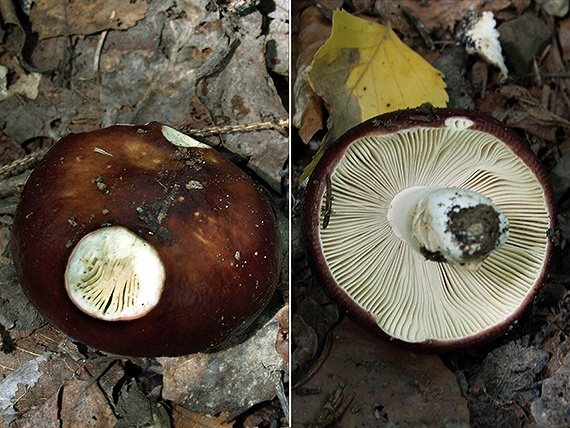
point(430, 227)
point(141, 241)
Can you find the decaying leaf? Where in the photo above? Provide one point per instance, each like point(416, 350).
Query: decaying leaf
point(241, 92)
point(551, 409)
point(282, 341)
point(527, 113)
point(185, 418)
point(382, 383)
point(53, 18)
point(27, 376)
point(437, 14)
point(314, 30)
point(227, 381)
point(18, 34)
point(504, 383)
point(82, 401)
point(32, 373)
point(365, 70)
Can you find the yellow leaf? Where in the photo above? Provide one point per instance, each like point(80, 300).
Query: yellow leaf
point(364, 70)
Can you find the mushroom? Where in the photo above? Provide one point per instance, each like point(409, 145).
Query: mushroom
point(430, 226)
point(141, 241)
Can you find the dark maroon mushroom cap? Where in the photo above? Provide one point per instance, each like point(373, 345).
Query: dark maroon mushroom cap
point(366, 264)
point(214, 232)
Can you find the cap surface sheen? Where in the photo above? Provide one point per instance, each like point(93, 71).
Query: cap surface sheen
point(149, 217)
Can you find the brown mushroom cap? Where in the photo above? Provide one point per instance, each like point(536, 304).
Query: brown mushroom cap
point(388, 285)
point(215, 234)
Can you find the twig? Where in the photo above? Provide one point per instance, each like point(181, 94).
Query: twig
point(99, 47)
point(334, 408)
point(281, 125)
point(23, 163)
point(31, 159)
point(98, 50)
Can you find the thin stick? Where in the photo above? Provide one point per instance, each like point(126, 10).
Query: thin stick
point(228, 129)
point(98, 50)
point(34, 157)
point(23, 163)
point(99, 47)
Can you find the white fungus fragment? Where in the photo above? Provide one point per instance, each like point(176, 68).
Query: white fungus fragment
point(483, 39)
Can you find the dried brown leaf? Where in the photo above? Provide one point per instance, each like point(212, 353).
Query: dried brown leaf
point(45, 416)
point(530, 115)
point(277, 44)
point(551, 409)
point(17, 34)
point(314, 30)
point(52, 18)
point(38, 370)
point(184, 418)
point(403, 387)
point(83, 404)
point(282, 342)
point(441, 14)
point(241, 92)
point(251, 373)
point(503, 382)
point(564, 38)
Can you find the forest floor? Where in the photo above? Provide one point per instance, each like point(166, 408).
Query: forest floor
point(342, 375)
point(215, 70)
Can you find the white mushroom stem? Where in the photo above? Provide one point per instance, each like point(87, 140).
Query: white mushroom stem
point(457, 226)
